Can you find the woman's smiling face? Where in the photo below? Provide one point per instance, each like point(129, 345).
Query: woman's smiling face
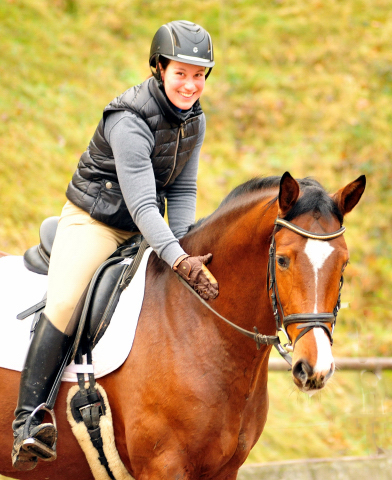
point(183, 83)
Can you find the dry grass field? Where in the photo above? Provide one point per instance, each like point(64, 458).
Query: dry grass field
point(298, 86)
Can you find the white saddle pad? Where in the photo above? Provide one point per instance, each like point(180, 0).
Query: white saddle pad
point(20, 289)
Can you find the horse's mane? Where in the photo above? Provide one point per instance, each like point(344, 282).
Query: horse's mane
point(314, 197)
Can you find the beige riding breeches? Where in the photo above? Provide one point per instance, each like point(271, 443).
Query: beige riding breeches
point(80, 246)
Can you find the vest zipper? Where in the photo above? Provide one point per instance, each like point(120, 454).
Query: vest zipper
point(182, 133)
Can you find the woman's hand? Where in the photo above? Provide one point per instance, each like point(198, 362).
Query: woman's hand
point(195, 272)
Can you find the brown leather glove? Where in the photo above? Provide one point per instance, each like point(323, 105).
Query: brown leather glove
point(195, 272)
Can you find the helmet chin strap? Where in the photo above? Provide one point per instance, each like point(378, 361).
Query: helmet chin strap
point(156, 73)
point(208, 72)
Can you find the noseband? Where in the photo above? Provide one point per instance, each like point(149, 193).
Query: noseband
point(307, 321)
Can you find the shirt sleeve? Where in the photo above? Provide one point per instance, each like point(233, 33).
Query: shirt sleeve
point(181, 197)
point(132, 143)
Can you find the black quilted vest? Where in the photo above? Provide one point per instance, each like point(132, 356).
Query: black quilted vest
point(94, 186)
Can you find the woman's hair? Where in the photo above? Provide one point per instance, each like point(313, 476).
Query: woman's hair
point(164, 62)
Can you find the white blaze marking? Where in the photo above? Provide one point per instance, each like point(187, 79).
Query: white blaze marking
point(324, 352)
point(317, 251)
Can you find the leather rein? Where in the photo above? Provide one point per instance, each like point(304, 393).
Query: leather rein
point(308, 320)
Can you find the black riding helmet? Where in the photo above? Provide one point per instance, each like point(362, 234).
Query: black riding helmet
point(184, 42)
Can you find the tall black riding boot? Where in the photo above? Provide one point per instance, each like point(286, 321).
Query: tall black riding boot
point(32, 439)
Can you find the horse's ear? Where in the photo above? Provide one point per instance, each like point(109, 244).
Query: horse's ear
point(288, 194)
point(347, 197)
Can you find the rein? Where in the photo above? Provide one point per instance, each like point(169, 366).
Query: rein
point(309, 320)
point(259, 338)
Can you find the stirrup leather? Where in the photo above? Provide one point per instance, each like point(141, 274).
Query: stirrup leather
point(32, 439)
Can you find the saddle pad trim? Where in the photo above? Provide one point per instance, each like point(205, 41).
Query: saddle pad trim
point(109, 446)
point(111, 351)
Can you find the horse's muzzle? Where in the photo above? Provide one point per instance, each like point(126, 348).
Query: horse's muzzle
point(307, 379)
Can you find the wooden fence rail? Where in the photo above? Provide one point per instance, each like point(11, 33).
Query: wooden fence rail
point(345, 468)
point(374, 364)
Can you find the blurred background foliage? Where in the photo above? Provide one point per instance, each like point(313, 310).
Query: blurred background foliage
point(298, 86)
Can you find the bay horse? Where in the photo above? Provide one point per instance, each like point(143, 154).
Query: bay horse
point(191, 399)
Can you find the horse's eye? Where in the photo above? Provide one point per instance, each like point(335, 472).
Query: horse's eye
point(344, 266)
point(283, 262)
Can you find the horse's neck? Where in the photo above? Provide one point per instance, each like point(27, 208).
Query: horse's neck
point(239, 240)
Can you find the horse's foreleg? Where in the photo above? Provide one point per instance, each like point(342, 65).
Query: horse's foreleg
point(183, 472)
point(159, 475)
point(167, 465)
point(186, 476)
point(227, 476)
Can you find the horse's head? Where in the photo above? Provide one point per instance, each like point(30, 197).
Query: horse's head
point(307, 257)
point(308, 265)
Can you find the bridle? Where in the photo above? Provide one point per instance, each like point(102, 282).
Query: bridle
point(309, 320)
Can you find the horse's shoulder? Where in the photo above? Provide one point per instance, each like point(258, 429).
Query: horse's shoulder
point(156, 266)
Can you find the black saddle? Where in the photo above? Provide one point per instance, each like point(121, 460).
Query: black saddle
point(37, 258)
point(93, 313)
point(102, 294)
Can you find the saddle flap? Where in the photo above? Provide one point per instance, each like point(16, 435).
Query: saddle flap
point(104, 292)
point(104, 301)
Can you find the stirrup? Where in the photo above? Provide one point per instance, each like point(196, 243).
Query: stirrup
point(37, 446)
point(40, 449)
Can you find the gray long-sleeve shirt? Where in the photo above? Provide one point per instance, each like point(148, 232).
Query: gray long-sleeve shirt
point(132, 143)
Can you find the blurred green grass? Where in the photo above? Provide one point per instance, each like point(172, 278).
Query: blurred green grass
point(298, 86)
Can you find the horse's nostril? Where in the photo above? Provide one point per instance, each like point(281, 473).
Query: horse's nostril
point(302, 371)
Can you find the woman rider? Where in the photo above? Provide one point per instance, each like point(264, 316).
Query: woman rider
point(144, 150)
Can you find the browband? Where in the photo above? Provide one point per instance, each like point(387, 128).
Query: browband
point(305, 233)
